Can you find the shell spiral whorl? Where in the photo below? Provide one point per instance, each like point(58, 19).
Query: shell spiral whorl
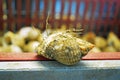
point(64, 48)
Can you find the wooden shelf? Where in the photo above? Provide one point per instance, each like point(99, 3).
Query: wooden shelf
point(35, 57)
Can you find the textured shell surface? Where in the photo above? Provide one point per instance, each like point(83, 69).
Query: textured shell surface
point(64, 48)
point(85, 46)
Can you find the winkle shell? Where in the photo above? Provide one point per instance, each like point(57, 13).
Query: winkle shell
point(64, 48)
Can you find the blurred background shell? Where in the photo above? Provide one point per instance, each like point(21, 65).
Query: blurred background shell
point(100, 42)
point(11, 38)
point(30, 47)
point(113, 40)
point(11, 48)
point(29, 33)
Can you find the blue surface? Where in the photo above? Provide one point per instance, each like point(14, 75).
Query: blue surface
point(62, 74)
point(52, 70)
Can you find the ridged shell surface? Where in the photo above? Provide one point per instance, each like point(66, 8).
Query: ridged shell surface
point(64, 48)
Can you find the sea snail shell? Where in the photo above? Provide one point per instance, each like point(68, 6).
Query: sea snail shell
point(64, 48)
